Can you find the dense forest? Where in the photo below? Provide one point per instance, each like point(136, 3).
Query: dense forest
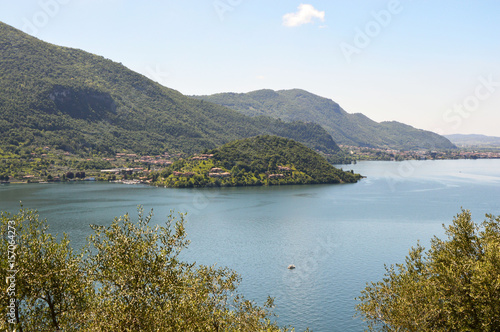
point(345, 128)
point(261, 160)
point(85, 104)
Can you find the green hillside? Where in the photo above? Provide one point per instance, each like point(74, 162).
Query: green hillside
point(82, 103)
point(261, 160)
point(347, 129)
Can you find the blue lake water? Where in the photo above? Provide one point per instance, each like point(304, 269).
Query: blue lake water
point(338, 236)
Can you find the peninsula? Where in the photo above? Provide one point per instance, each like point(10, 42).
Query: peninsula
point(261, 160)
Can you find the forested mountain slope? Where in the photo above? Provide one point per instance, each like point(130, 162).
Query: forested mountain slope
point(83, 103)
point(345, 128)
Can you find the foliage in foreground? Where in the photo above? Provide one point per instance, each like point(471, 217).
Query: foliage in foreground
point(454, 286)
point(128, 278)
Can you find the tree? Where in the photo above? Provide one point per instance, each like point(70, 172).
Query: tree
point(80, 175)
point(454, 286)
point(128, 278)
point(50, 286)
point(145, 287)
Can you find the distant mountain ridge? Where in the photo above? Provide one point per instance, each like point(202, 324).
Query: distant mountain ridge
point(345, 128)
point(73, 100)
point(474, 140)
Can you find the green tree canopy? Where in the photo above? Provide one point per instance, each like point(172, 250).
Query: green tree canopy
point(128, 278)
point(454, 286)
point(49, 286)
point(255, 161)
point(79, 102)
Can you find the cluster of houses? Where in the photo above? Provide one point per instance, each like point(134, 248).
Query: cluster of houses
point(154, 160)
point(390, 154)
point(214, 173)
point(117, 171)
point(479, 155)
point(218, 173)
point(183, 174)
point(202, 157)
point(280, 175)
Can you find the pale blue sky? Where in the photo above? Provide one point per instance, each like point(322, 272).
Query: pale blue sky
point(431, 64)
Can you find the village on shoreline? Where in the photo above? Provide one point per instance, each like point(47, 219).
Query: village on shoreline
point(49, 165)
point(364, 153)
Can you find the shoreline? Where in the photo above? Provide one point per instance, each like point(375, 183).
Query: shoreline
point(142, 182)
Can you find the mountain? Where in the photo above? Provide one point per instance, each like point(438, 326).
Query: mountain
point(261, 160)
point(72, 100)
point(347, 129)
point(474, 140)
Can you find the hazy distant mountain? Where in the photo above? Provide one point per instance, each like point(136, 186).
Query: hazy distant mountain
point(70, 99)
point(474, 140)
point(349, 129)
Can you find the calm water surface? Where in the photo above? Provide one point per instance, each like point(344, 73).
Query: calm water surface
point(338, 236)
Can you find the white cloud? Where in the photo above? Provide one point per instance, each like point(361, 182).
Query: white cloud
point(305, 14)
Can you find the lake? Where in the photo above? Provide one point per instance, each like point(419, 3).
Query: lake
point(338, 236)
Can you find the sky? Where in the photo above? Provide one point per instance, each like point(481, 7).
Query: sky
point(434, 65)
